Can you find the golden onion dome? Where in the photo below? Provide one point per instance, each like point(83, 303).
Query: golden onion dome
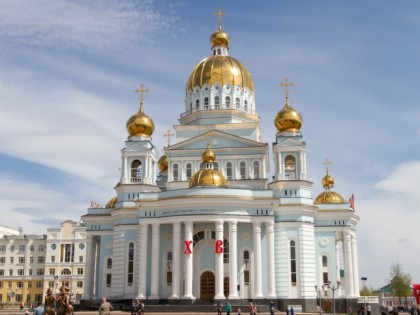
point(163, 163)
point(111, 203)
point(288, 119)
point(208, 155)
point(328, 181)
point(140, 125)
point(329, 197)
point(222, 70)
point(219, 38)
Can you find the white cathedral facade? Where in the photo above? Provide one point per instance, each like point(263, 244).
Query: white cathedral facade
point(205, 221)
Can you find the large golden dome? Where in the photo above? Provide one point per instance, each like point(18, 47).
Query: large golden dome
point(220, 69)
point(288, 119)
point(140, 125)
point(208, 176)
point(111, 203)
point(163, 163)
point(328, 196)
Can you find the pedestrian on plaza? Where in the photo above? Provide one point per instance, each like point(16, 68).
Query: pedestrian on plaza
point(292, 311)
point(228, 308)
point(272, 308)
point(219, 308)
point(287, 310)
point(369, 309)
point(239, 311)
point(39, 310)
point(251, 309)
point(105, 308)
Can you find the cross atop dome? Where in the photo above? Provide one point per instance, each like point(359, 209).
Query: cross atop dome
point(327, 163)
point(141, 93)
point(168, 136)
point(286, 84)
point(219, 13)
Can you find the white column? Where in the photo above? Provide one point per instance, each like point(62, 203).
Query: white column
point(269, 226)
point(219, 263)
point(125, 171)
point(188, 262)
point(348, 271)
point(233, 260)
point(257, 260)
point(337, 260)
point(154, 283)
point(176, 259)
point(89, 266)
point(143, 260)
point(355, 266)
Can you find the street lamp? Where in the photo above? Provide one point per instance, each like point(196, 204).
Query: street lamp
point(319, 293)
point(333, 288)
point(364, 293)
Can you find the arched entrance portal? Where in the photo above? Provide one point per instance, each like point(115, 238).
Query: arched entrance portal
point(207, 285)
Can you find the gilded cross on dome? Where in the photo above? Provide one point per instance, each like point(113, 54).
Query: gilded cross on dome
point(327, 163)
point(219, 13)
point(168, 136)
point(286, 84)
point(141, 93)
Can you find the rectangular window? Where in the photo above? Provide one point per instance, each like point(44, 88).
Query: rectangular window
point(246, 277)
point(31, 260)
point(32, 248)
point(52, 271)
point(1, 297)
point(41, 248)
point(325, 277)
point(21, 272)
point(18, 297)
point(39, 285)
point(1, 272)
point(2, 260)
point(79, 284)
point(21, 259)
point(108, 279)
point(67, 253)
point(51, 284)
point(293, 263)
point(2, 248)
point(81, 259)
point(1, 285)
point(41, 260)
point(169, 277)
point(10, 272)
point(22, 248)
point(29, 284)
point(79, 271)
point(40, 272)
point(38, 297)
point(28, 298)
point(52, 258)
point(30, 272)
point(19, 285)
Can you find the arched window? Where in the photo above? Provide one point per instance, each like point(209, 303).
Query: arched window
point(246, 105)
point(66, 272)
point(169, 268)
point(188, 170)
point(109, 263)
point(206, 103)
point(216, 101)
point(130, 264)
point(293, 279)
point(324, 261)
point(242, 169)
point(197, 103)
point(256, 169)
point(246, 271)
point(227, 101)
point(175, 172)
point(237, 102)
point(229, 170)
point(325, 275)
point(136, 171)
point(191, 106)
point(290, 167)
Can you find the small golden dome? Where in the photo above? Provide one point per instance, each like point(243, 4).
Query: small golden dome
point(328, 181)
point(288, 119)
point(111, 203)
point(208, 177)
point(208, 155)
point(219, 38)
point(222, 70)
point(329, 197)
point(140, 125)
point(163, 163)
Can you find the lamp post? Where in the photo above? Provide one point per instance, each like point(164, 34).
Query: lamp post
point(319, 293)
point(364, 293)
point(333, 288)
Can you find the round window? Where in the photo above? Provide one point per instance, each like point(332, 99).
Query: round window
point(81, 245)
point(53, 246)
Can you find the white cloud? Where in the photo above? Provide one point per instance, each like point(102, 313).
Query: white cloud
point(81, 25)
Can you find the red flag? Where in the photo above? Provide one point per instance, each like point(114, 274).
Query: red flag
point(351, 201)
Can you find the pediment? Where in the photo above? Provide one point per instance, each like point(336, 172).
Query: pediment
point(218, 140)
point(290, 143)
point(138, 146)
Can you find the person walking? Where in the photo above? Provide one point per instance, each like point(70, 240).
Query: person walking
point(272, 308)
point(219, 308)
point(292, 311)
point(228, 308)
point(39, 310)
point(105, 308)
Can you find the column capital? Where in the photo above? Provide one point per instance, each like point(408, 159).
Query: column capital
point(269, 225)
point(256, 226)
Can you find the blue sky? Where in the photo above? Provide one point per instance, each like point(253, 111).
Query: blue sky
point(69, 70)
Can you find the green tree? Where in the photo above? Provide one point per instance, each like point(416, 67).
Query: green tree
point(400, 282)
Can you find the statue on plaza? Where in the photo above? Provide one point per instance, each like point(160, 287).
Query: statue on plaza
point(49, 303)
point(64, 306)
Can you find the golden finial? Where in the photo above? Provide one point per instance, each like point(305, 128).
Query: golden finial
point(141, 93)
point(327, 163)
point(168, 136)
point(219, 13)
point(286, 84)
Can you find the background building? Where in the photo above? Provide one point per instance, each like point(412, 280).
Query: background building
point(213, 224)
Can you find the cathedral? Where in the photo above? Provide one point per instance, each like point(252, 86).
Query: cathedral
point(206, 221)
